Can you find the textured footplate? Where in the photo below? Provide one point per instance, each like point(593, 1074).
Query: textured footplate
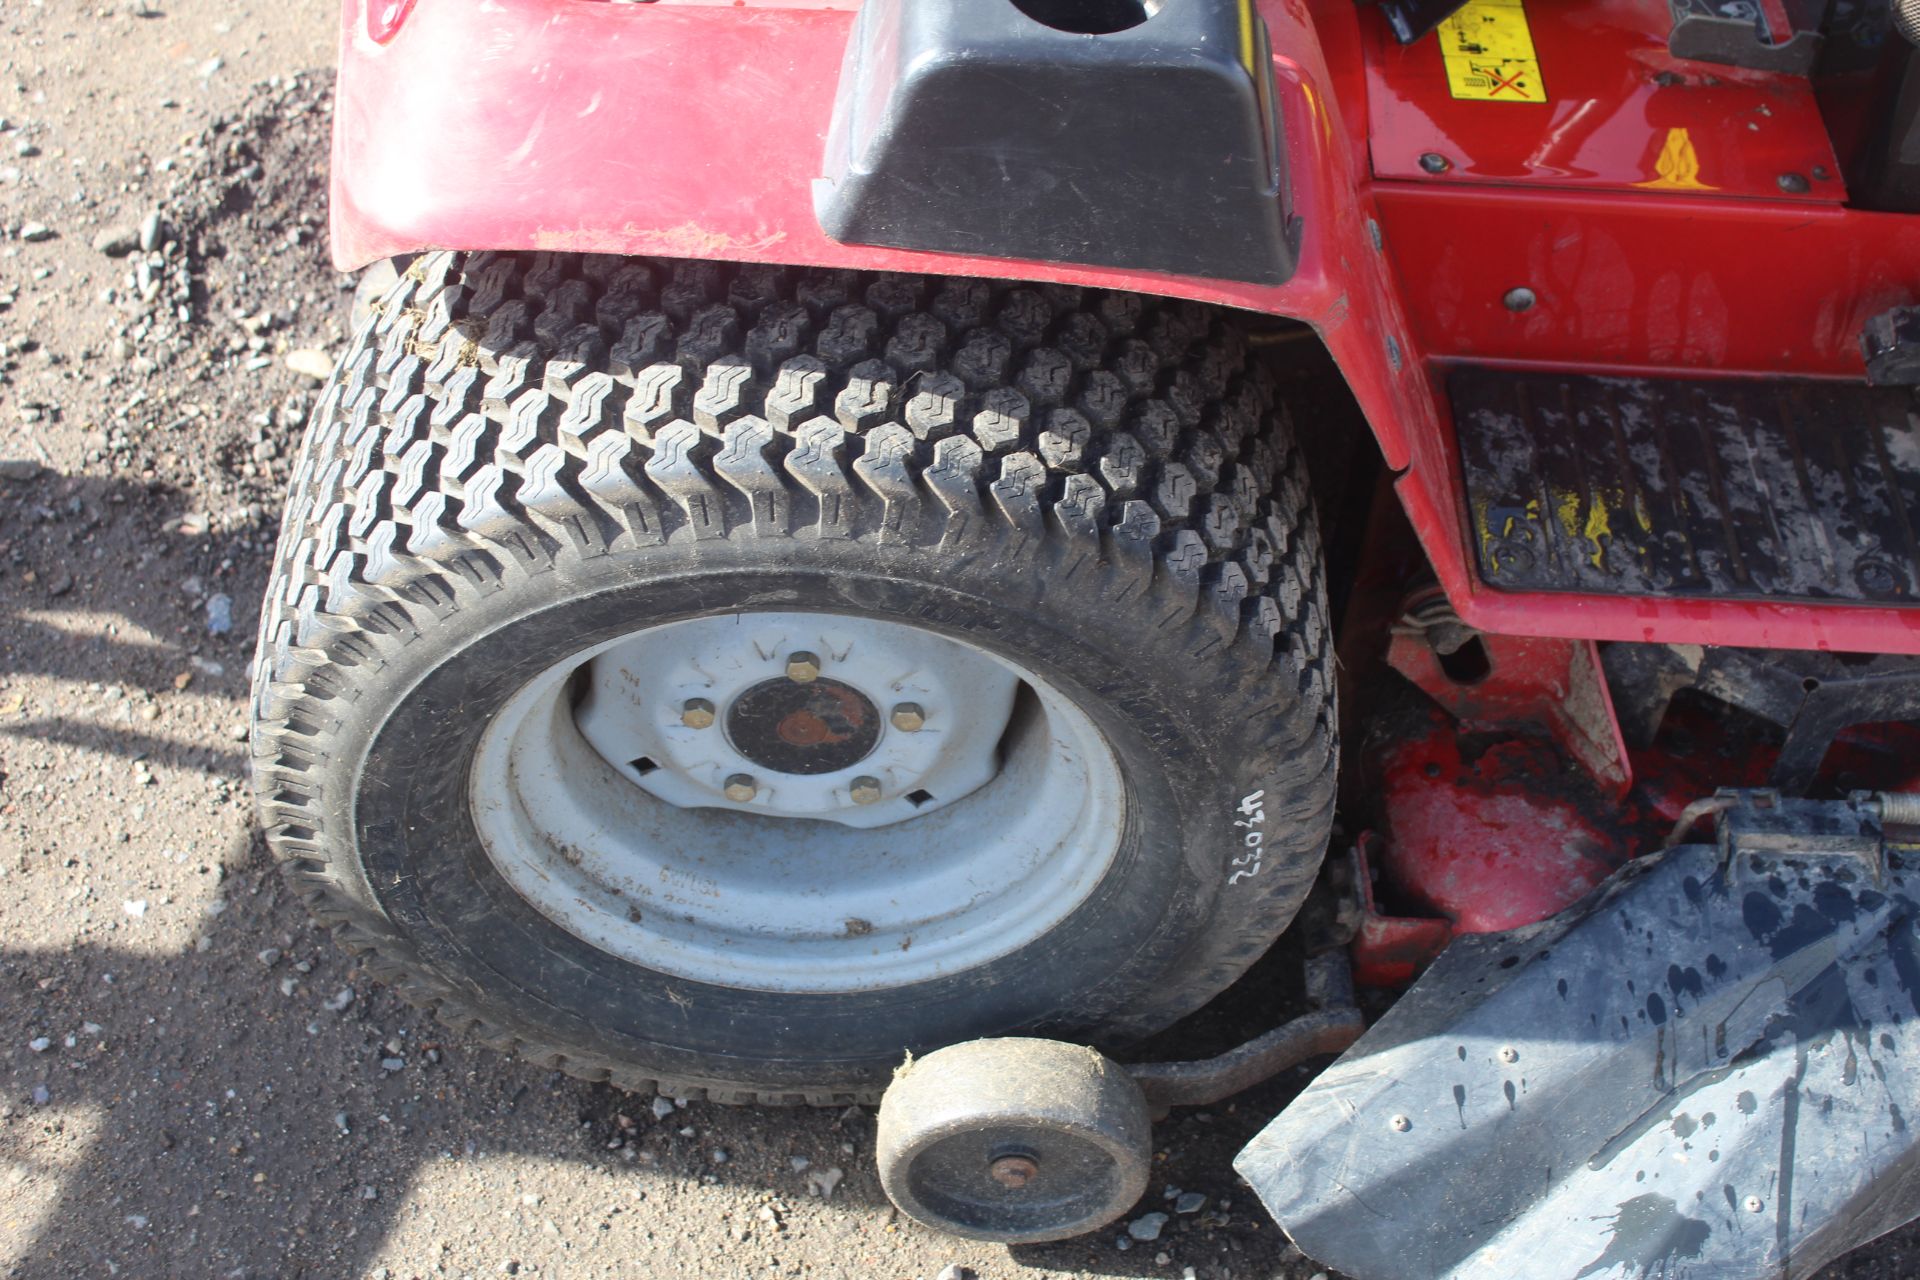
point(1731, 488)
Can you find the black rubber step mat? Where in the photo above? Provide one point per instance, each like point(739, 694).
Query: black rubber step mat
point(1754, 489)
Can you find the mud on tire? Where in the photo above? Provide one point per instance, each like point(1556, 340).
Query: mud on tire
point(520, 453)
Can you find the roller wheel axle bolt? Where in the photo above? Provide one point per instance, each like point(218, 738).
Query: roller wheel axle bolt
point(696, 713)
point(803, 668)
point(909, 718)
point(864, 790)
point(740, 788)
point(1014, 1172)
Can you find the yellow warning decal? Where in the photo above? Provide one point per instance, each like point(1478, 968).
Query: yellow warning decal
point(1488, 51)
point(1677, 167)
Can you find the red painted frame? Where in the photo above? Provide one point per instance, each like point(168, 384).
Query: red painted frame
point(694, 128)
point(1615, 96)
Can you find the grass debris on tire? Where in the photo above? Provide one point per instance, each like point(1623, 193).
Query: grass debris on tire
point(731, 679)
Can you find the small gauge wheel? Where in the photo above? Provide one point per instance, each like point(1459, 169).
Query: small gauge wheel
point(1014, 1140)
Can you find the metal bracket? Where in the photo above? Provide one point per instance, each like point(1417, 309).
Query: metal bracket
point(1813, 696)
point(1753, 827)
point(1761, 826)
point(1558, 684)
point(1390, 951)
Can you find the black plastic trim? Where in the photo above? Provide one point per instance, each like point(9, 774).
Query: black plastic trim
point(966, 126)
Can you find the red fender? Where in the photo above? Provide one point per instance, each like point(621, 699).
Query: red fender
point(694, 128)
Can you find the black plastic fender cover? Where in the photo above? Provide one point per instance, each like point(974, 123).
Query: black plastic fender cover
point(1709, 1068)
point(1121, 133)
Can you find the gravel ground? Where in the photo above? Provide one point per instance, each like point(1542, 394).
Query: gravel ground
point(193, 1082)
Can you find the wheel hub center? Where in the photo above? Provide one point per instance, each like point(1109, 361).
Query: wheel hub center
point(821, 726)
point(858, 721)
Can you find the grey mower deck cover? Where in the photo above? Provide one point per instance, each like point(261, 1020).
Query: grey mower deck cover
point(1709, 1068)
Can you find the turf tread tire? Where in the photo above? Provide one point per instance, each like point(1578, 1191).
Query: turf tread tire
point(500, 414)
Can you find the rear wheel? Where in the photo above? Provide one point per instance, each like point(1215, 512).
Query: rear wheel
point(733, 679)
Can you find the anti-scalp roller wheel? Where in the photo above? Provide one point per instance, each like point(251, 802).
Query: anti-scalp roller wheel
point(1014, 1140)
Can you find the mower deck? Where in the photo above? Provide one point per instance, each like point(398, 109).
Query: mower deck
point(1702, 1069)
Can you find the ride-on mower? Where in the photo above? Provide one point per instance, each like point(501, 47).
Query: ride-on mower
point(824, 572)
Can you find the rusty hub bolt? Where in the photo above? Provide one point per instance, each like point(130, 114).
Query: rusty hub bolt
point(864, 790)
point(909, 718)
point(803, 668)
point(1014, 1172)
point(740, 788)
point(696, 713)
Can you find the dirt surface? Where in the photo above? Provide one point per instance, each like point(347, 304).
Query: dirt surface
point(193, 1082)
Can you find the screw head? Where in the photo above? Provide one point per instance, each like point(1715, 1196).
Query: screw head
point(1399, 1124)
point(864, 790)
point(1754, 1204)
point(908, 717)
point(740, 788)
point(696, 713)
point(1520, 299)
point(803, 667)
point(1014, 1172)
point(1794, 184)
point(1509, 1054)
point(1434, 162)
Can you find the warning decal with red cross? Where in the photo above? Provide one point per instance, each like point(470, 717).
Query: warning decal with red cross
point(1488, 51)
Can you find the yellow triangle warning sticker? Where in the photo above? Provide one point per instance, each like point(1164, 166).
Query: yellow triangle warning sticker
point(1488, 51)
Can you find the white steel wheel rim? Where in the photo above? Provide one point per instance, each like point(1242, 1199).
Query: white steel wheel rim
point(663, 869)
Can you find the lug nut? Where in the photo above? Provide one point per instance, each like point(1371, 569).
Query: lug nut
point(909, 718)
point(803, 668)
point(864, 790)
point(740, 788)
point(696, 713)
point(1014, 1172)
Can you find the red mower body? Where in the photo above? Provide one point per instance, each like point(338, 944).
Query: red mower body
point(1663, 218)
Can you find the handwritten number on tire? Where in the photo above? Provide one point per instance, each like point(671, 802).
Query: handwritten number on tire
point(1254, 815)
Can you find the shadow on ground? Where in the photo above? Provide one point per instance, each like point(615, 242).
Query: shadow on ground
point(109, 582)
point(231, 1110)
point(212, 1090)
